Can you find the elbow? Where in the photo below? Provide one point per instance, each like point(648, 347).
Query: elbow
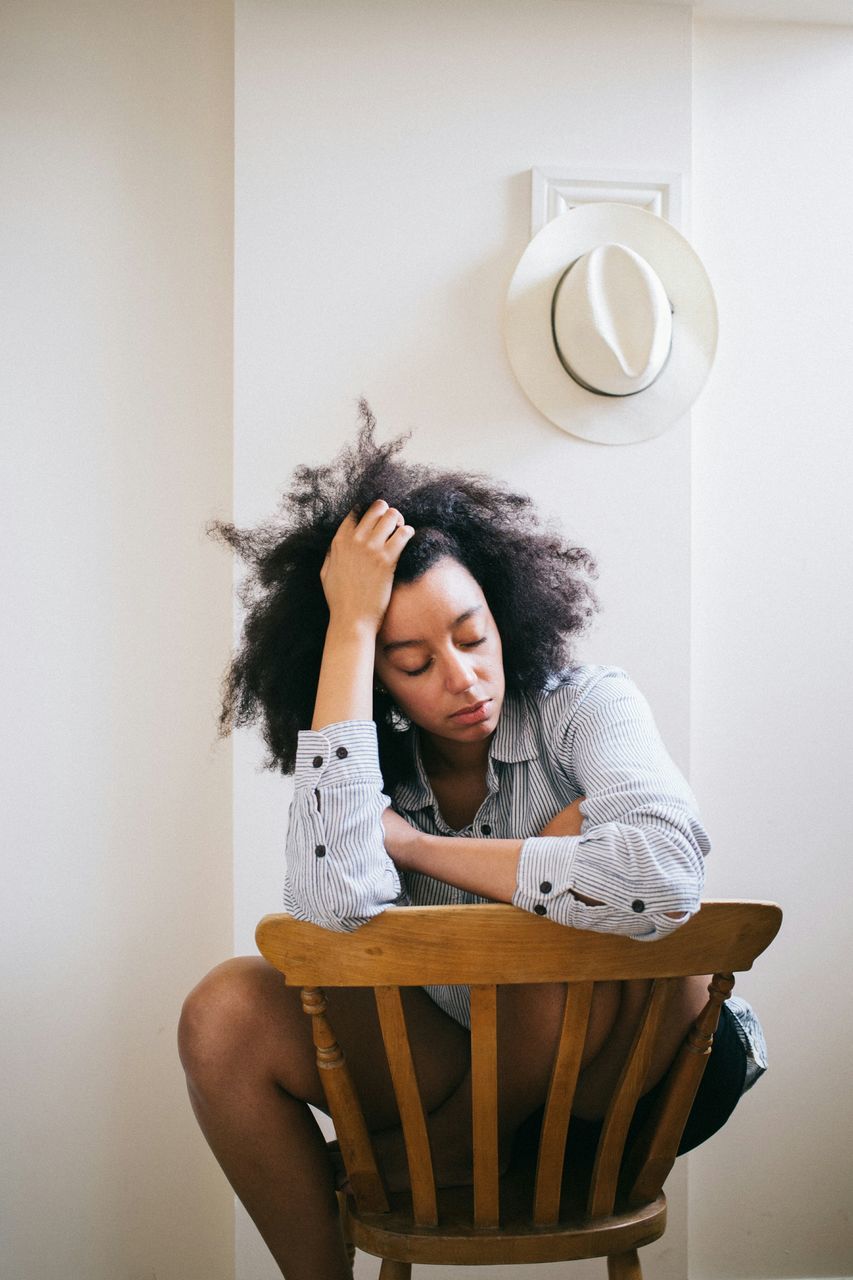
point(678, 898)
point(339, 904)
point(308, 902)
point(318, 913)
point(666, 922)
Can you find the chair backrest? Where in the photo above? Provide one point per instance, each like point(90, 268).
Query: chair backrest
point(486, 946)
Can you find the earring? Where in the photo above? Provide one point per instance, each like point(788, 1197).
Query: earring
point(399, 720)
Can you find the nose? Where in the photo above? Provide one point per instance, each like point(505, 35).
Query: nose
point(459, 673)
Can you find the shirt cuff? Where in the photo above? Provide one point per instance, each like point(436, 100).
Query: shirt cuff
point(544, 871)
point(340, 753)
point(544, 882)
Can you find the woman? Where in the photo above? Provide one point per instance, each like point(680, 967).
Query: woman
point(418, 622)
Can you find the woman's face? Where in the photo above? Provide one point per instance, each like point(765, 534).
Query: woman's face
point(438, 653)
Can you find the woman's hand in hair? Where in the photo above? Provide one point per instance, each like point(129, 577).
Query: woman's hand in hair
point(358, 572)
point(357, 576)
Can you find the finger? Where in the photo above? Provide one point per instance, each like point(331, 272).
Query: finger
point(344, 530)
point(391, 521)
point(398, 539)
point(385, 526)
point(374, 513)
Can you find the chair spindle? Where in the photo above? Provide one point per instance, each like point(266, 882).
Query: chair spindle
point(608, 1157)
point(657, 1145)
point(395, 1035)
point(345, 1108)
point(558, 1106)
point(484, 1084)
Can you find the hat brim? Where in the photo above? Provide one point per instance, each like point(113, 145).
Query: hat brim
point(530, 341)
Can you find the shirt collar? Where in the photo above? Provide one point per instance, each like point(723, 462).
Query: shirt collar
point(513, 741)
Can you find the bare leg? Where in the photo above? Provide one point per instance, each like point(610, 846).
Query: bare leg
point(600, 1076)
point(528, 1031)
point(247, 1051)
point(529, 1020)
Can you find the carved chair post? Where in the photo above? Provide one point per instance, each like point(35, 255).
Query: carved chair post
point(353, 1137)
point(653, 1156)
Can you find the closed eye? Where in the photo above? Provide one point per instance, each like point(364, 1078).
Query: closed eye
point(467, 644)
point(419, 671)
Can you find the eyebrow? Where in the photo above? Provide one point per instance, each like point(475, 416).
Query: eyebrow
point(411, 644)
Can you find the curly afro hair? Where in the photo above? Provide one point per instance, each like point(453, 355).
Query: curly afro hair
point(536, 585)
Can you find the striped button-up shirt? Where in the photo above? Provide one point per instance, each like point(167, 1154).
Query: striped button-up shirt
point(590, 733)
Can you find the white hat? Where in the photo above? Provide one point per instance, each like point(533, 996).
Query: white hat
point(611, 324)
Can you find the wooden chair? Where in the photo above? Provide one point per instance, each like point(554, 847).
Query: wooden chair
point(545, 1213)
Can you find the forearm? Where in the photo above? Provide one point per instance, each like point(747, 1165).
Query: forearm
point(357, 578)
point(338, 872)
point(497, 869)
point(345, 685)
point(485, 867)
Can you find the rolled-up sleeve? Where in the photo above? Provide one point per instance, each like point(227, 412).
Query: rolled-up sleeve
point(339, 874)
point(641, 850)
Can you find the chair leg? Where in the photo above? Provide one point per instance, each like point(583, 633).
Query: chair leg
point(624, 1266)
point(350, 1247)
point(395, 1270)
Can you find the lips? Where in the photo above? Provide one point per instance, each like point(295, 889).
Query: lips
point(472, 711)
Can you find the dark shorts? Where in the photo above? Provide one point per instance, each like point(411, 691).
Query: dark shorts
point(719, 1093)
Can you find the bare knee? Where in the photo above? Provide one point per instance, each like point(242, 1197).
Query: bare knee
point(530, 1013)
point(529, 1022)
point(226, 1020)
point(533, 1015)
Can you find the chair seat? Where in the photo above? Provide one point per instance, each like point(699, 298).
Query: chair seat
point(394, 1235)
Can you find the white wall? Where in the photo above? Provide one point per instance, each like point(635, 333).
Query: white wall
point(382, 204)
point(382, 189)
point(117, 155)
point(772, 741)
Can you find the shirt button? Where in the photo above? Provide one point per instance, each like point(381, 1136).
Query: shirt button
point(545, 886)
point(539, 909)
point(341, 753)
point(317, 761)
point(638, 905)
point(487, 830)
point(320, 851)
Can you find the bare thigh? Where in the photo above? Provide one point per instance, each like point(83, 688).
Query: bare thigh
point(599, 1077)
point(242, 1022)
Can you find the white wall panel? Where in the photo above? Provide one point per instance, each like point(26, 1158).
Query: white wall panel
point(383, 157)
point(116, 148)
point(773, 549)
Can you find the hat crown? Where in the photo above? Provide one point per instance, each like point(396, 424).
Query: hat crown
point(612, 321)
